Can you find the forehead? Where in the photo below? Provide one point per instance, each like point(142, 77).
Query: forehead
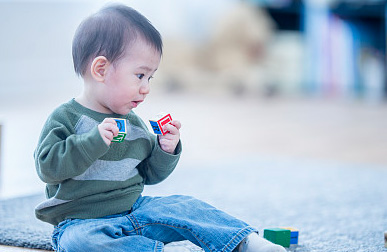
point(141, 52)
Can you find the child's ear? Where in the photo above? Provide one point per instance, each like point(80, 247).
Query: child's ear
point(99, 68)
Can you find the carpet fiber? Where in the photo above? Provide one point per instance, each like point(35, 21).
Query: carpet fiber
point(19, 227)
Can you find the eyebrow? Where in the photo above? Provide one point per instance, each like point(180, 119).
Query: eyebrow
point(147, 68)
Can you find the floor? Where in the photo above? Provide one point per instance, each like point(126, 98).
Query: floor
point(216, 127)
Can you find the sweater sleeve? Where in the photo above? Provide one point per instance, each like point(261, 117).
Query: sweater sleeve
point(61, 154)
point(160, 164)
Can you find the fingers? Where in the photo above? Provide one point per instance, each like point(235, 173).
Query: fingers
point(169, 141)
point(108, 135)
point(173, 127)
point(109, 124)
point(176, 123)
point(108, 129)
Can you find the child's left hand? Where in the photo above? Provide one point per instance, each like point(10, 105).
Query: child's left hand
point(169, 141)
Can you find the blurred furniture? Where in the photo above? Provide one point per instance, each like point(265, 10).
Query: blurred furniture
point(345, 44)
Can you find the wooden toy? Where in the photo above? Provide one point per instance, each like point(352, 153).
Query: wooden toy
point(278, 236)
point(121, 124)
point(293, 234)
point(159, 121)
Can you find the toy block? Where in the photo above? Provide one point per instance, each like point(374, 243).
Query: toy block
point(159, 121)
point(121, 124)
point(293, 234)
point(278, 236)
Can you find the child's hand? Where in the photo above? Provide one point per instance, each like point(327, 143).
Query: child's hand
point(169, 141)
point(108, 129)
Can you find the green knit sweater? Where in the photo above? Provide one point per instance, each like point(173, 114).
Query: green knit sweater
point(84, 177)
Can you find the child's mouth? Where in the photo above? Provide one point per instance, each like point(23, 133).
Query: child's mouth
point(135, 103)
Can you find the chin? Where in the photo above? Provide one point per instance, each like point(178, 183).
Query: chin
point(124, 111)
point(121, 110)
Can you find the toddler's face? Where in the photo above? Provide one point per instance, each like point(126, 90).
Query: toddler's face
point(127, 82)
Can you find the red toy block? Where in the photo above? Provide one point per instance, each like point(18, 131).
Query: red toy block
point(158, 123)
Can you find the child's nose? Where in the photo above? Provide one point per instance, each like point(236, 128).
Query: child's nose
point(145, 88)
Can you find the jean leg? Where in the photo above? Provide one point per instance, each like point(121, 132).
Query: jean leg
point(105, 235)
point(176, 218)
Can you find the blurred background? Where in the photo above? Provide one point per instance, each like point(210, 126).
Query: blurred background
point(285, 79)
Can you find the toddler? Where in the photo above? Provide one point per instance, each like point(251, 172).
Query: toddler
point(94, 185)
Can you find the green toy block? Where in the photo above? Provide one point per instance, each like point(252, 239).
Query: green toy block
point(119, 138)
point(121, 124)
point(278, 236)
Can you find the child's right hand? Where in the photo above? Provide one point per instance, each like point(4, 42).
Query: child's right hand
point(108, 129)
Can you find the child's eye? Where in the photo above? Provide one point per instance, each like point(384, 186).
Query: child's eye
point(140, 76)
point(150, 78)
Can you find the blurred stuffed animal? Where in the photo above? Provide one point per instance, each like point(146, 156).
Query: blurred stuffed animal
point(231, 60)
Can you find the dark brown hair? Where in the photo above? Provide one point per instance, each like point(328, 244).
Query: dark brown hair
point(108, 33)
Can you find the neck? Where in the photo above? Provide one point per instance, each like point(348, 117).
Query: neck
point(87, 98)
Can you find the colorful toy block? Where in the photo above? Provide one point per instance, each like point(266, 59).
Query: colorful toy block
point(278, 236)
point(159, 122)
point(293, 234)
point(121, 124)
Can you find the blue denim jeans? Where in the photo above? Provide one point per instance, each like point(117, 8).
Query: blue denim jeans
point(153, 222)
